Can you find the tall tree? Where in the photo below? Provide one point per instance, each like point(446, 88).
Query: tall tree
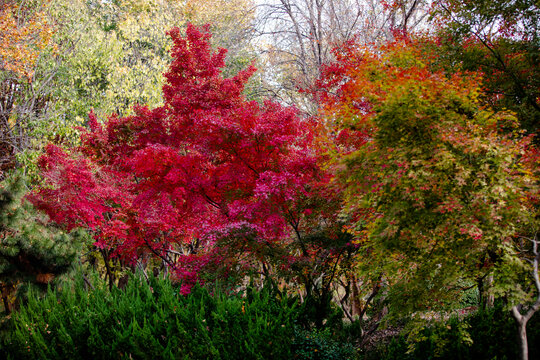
point(445, 192)
point(206, 180)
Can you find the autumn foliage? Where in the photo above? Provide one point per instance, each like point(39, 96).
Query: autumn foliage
point(25, 31)
point(413, 190)
point(186, 182)
point(444, 189)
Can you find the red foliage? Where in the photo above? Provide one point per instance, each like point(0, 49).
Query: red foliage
point(178, 176)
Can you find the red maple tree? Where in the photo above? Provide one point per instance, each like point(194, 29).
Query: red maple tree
point(207, 178)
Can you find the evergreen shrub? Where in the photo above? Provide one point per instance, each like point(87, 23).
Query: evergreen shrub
point(150, 320)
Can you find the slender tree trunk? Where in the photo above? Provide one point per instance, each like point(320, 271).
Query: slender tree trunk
point(110, 275)
point(489, 299)
point(523, 341)
point(522, 330)
point(522, 319)
point(356, 300)
point(480, 285)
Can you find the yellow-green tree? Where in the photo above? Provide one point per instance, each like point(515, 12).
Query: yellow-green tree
point(439, 196)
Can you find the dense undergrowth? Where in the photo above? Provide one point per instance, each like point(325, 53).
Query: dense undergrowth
point(151, 320)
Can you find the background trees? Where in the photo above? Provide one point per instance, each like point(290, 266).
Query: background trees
point(94, 55)
point(499, 39)
point(300, 36)
point(25, 31)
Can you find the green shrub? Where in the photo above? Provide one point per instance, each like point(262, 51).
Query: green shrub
point(490, 334)
point(150, 321)
point(319, 345)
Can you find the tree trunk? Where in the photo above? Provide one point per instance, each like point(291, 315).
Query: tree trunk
point(522, 330)
point(490, 298)
point(522, 319)
point(7, 295)
point(356, 298)
point(523, 341)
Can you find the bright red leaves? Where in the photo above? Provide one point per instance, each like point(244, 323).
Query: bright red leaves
point(172, 180)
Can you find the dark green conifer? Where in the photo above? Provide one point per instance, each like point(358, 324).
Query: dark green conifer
point(31, 249)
